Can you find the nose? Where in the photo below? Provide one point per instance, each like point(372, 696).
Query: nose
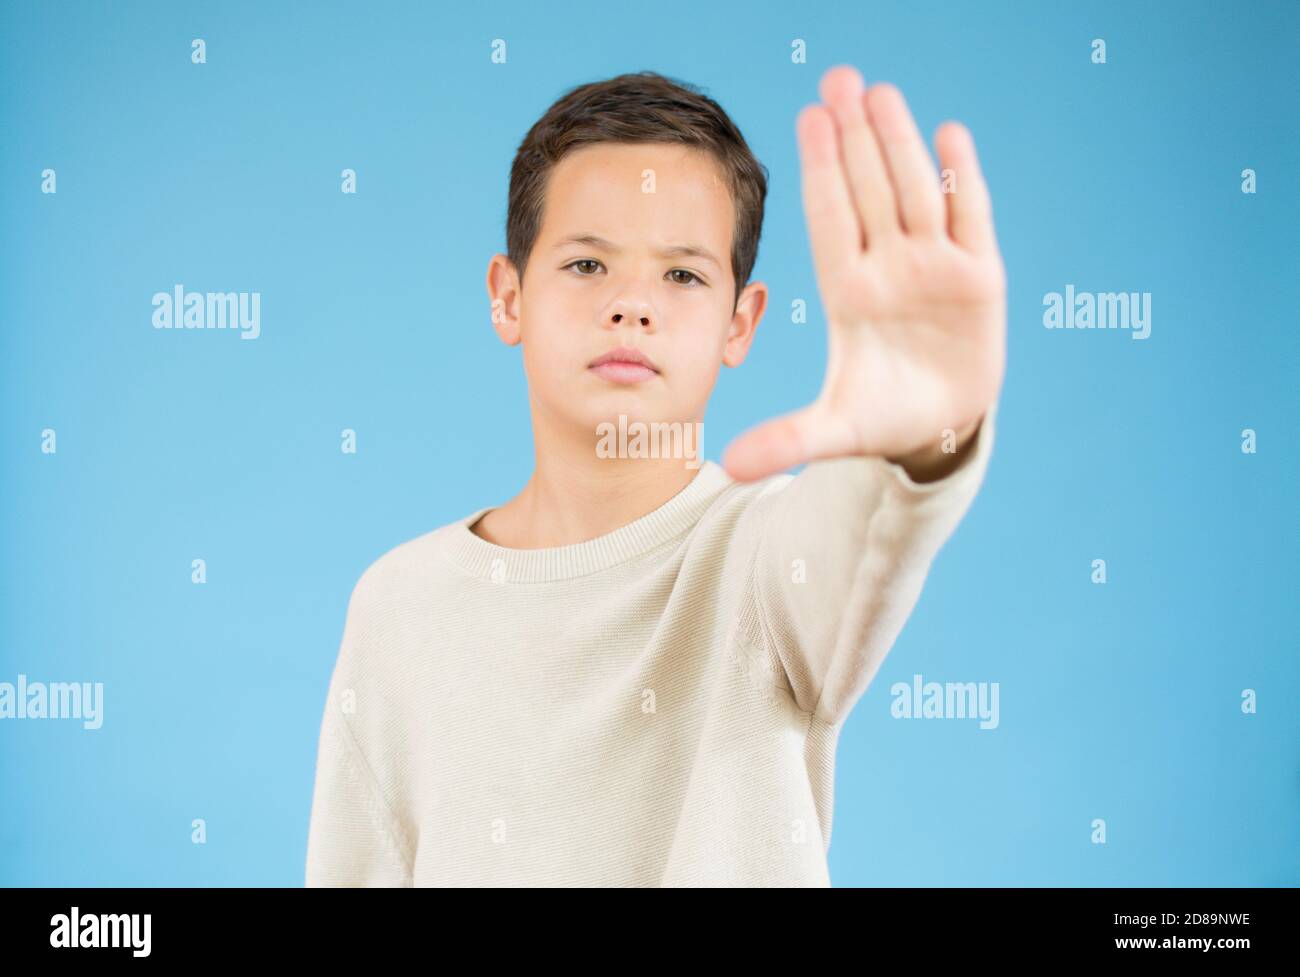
point(638, 315)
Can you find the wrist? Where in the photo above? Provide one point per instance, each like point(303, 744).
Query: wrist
point(940, 458)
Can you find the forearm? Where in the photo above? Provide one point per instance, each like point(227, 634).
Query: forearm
point(841, 553)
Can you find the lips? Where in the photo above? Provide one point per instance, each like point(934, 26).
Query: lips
point(625, 354)
point(624, 365)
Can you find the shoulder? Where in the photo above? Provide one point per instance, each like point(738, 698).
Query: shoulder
point(735, 513)
point(390, 600)
point(408, 567)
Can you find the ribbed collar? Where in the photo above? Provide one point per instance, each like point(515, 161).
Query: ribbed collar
point(477, 556)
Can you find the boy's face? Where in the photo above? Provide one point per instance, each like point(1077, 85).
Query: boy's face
point(601, 277)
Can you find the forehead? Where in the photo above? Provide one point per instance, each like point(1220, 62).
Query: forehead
point(605, 188)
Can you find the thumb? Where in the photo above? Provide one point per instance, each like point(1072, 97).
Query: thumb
point(786, 441)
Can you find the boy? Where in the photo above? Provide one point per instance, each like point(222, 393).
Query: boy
point(635, 672)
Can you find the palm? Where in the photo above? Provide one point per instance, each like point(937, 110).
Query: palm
point(910, 279)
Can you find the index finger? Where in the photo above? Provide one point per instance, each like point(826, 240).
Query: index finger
point(834, 230)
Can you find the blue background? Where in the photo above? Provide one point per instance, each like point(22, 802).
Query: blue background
point(1119, 701)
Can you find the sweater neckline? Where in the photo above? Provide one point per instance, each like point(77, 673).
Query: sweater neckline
point(502, 564)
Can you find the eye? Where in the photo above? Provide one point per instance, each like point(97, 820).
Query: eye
point(692, 280)
point(695, 282)
point(583, 261)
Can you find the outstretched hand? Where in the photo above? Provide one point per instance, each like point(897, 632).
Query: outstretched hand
point(912, 284)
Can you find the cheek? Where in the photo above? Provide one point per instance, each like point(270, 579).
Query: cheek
point(548, 361)
point(551, 343)
point(696, 363)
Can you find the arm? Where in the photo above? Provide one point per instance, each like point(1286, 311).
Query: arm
point(898, 439)
point(354, 838)
point(840, 553)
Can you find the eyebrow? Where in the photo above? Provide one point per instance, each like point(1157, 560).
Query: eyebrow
point(675, 251)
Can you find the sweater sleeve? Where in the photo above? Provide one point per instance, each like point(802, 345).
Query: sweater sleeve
point(839, 554)
point(353, 838)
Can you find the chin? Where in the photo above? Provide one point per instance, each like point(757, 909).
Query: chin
point(607, 406)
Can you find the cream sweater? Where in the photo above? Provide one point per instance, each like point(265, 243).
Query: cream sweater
point(658, 706)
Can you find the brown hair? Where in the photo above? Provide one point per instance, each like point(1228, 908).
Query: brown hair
point(634, 108)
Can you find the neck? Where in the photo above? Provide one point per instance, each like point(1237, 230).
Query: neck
point(574, 495)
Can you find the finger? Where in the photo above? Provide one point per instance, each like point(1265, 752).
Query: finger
point(916, 182)
point(792, 439)
point(970, 208)
point(842, 90)
point(834, 231)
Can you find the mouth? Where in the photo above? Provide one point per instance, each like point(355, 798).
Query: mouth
point(624, 365)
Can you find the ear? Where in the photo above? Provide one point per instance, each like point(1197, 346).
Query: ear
point(744, 323)
point(504, 294)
